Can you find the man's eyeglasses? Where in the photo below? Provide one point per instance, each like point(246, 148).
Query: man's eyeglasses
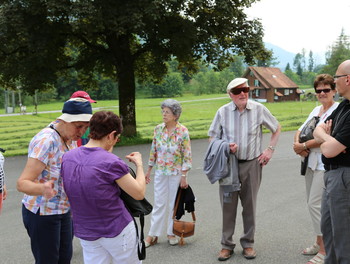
point(237, 91)
point(327, 90)
point(335, 77)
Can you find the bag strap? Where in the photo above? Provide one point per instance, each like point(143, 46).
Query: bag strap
point(141, 247)
point(177, 205)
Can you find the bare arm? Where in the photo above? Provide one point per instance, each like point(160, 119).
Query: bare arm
point(267, 154)
point(4, 193)
point(302, 149)
point(26, 182)
point(148, 175)
point(330, 147)
point(136, 188)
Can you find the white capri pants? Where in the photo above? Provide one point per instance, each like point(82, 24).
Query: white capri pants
point(314, 189)
point(165, 189)
point(116, 250)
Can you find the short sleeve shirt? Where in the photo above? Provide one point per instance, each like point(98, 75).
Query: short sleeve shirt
point(48, 147)
point(243, 128)
point(89, 177)
point(341, 132)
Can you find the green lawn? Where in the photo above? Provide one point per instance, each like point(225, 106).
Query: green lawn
point(198, 112)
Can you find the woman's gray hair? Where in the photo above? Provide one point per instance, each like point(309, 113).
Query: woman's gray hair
point(174, 106)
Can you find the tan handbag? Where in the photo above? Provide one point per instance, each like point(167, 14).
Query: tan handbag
point(183, 228)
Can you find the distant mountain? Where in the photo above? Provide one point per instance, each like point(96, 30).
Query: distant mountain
point(283, 57)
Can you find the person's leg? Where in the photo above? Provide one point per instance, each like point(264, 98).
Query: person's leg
point(94, 253)
point(66, 247)
point(173, 185)
point(229, 213)
point(314, 204)
point(250, 176)
point(44, 233)
point(339, 204)
point(326, 226)
point(123, 248)
point(160, 203)
point(315, 198)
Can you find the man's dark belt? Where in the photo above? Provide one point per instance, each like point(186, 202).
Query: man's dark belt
point(242, 161)
point(329, 167)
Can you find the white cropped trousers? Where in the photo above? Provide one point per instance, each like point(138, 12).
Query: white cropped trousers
point(165, 189)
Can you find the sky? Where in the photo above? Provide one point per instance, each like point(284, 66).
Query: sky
point(296, 24)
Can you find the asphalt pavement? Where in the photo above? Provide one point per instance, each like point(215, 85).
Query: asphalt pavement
point(283, 223)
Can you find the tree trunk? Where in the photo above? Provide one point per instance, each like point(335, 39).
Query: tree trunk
point(126, 86)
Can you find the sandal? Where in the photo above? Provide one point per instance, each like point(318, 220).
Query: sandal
point(313, 250)
point(153, 241)
point(318, 259)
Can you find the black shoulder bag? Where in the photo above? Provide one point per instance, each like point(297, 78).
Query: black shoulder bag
point(306, 134)
point(137, 208)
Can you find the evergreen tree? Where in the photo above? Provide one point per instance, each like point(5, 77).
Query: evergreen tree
point(287, 67)
point(297, 61)
point(311, 62)
point(338, 52)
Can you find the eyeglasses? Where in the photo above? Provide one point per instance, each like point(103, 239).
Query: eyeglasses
point(335, 77)
point(165, 112)
point(237, 91)
point(327, 90)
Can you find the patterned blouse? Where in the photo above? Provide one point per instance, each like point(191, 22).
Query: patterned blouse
point(171, 153)
point(47, 147)
point(2, 178)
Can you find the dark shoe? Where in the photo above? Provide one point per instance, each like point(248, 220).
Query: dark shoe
point(249, 253)
point(225, 254)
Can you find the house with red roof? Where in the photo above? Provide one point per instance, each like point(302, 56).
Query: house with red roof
point(269, 84)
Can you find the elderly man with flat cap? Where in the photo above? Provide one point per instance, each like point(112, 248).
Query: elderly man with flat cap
point(240, 124)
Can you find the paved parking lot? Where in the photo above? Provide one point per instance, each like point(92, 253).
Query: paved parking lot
point(283, 230)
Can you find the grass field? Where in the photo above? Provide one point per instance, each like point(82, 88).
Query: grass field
point(198, 112)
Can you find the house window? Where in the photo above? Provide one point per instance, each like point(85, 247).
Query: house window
point(276, 98)
point(290, 91)
point(257, 92)
point(286, 92)
point(256, 83)
point(251, 73)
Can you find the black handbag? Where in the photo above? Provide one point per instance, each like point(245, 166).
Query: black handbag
point(137, 208)
point(307, 132)
point(304, 166)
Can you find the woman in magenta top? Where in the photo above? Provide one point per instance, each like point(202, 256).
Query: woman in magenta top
point(93, 178)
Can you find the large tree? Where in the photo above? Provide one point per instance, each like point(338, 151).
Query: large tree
point(121, 39)
point(337, 53)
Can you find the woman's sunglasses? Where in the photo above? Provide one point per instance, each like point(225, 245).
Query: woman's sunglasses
point(327, 90)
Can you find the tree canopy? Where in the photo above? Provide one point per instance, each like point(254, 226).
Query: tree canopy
point(338, 52)
point(43, 40)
